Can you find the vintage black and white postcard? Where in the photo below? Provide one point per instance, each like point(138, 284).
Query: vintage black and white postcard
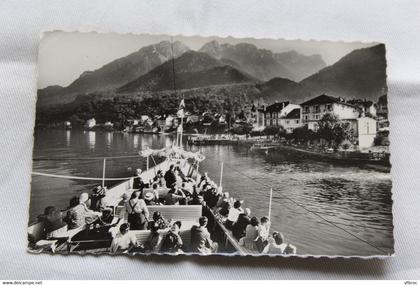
point(154, 144)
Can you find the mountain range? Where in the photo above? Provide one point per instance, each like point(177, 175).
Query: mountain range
point(114, 74)
point(360, 74)
point(288, 76)
point(191, 70)
point(264, 64)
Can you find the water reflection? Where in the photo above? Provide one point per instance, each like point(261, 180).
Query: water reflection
point(91, 140)
point(357, 199)
point(168, 141)
point(136, 141)
point(68, 138)
point(143, 143)
point(109, 137)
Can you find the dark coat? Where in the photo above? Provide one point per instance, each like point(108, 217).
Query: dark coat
point(138, 183)
point(171, 243)
point(170, 178)
point(240, 226)
point(200, 240)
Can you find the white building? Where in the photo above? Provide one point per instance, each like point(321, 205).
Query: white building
point(171, 121)
point(258, 122)
point(364, 128)
point(144, 118)
point(313, 110)
point(91, 123)
point(291, 118)
point(366, 131)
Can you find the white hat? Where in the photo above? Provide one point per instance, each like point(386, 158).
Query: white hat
point(83, 197)
point(248, 211)
point(149, 196)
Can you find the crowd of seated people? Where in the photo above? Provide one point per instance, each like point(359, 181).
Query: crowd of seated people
point(84, 210)
point(254, 234)
point(251, 232)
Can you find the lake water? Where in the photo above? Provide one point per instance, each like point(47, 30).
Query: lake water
point(323, 208)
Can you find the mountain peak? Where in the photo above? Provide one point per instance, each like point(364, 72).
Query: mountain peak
point(264, 64)
point(125, 69)
point(212, 48)
point(359, 74)
point(193, 69)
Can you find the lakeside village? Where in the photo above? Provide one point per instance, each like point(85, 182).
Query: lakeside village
point(323, 125)
point(179, 196)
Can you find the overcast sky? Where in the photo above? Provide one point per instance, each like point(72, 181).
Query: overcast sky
point(64, 56)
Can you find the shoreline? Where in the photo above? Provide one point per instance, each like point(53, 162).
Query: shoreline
point(379, 165)
point(346, 158)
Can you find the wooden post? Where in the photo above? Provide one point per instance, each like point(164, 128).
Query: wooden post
point(269, 208)
point(196, 175)
point(103, 173)
point(221, 175)
point(182, 130)
point(147, 163)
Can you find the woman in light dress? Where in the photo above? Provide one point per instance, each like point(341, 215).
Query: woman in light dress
point(251, 235)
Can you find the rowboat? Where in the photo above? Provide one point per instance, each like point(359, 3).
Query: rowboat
point(264, 146)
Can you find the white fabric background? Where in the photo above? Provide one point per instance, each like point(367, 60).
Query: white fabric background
point(395, 23)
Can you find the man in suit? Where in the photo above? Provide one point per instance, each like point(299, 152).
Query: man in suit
point(170, 177)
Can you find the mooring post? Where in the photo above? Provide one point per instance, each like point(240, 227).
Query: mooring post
point(269, 208)
point(221, 175)
point(196, 175)
point(103, 173)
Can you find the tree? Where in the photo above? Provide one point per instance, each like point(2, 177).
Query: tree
point(303, 134)
point(271, 130)
point(242, 129)
point(277, 131)
point(334, 130)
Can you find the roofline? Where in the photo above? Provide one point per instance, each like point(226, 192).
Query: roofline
point(333, 99)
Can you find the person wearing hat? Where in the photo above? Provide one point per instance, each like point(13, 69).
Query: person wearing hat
point(149, 198)
point(81, 214)
point(97, 199)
